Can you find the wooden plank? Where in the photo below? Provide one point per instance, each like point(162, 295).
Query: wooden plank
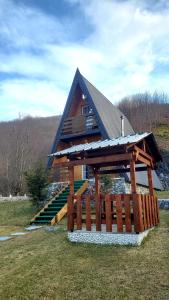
point(147, 211)
point(143, 160)
point(98, 212)
point(144, 211)
point(79, 213)
point(70, 219)
point(150, 211)
point(153, 210)
point(108, 213)
point(157, 207)
point(119, 213)
point(93, 161)
point(127, 208)
point(88, 213)
point(138, 213)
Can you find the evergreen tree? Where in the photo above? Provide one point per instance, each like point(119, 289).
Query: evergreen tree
point(37, 182)
point(106, 181)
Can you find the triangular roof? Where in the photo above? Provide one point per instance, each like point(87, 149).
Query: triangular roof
point(107, 115)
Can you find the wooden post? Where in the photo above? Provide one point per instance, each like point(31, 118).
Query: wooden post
point(88, 213)
point(79, 213)
point(119, 213)
point(137, 205)
point(70, 218)
point(153, 210)
point(108, 213)
point(133, 176)
point(97, 200)
point(71, 180)
point(96, 178)
point(150, 181)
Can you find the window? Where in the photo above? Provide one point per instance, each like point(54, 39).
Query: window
point(85, 110)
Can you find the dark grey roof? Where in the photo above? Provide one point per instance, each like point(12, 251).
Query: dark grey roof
point(141, 179)
point(109, 114)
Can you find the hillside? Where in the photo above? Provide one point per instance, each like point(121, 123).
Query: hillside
point(150, 113)
point(24, 142)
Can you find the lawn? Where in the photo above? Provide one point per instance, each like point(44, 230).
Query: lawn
point(163, 194)
point(45, 265)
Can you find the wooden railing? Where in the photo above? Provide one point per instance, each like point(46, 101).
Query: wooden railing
point(113, 213)
point(79, 124)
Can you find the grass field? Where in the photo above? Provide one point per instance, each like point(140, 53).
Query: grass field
point(44, 265)
point(163, 194)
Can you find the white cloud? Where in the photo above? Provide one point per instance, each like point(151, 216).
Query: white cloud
point(119, 56)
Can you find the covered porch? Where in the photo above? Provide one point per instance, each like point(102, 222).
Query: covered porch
point(112, 213)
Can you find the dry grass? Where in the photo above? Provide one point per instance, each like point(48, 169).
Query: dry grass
point(44, 265)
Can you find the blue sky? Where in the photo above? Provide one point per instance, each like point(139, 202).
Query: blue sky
point(121, 46)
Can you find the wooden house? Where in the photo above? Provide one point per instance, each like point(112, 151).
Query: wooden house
point(89, 117)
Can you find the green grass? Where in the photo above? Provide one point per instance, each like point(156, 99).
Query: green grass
point(45, 265)
point(162, 131)
point(16, 213)
point(163, 194)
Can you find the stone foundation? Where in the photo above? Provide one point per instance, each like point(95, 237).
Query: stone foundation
point(105, 238)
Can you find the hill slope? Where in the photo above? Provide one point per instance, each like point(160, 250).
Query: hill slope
point(23, 143)
point(26, 141)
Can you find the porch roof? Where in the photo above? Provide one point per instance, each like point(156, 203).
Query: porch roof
point(112, 143)
point(122, 140)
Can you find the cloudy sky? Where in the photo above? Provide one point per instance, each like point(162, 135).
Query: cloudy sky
point(121, 46)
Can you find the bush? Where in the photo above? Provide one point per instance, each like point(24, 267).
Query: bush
point(106, 183)
point(37, 182)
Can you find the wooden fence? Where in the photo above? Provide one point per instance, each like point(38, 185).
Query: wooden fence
point(130, 213)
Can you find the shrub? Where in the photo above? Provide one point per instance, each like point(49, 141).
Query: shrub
point(106, 183)
point(37, 182)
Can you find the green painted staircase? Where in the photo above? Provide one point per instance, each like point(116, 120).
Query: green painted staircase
point(49, 212)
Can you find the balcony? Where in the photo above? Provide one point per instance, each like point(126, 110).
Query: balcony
point(79, 125)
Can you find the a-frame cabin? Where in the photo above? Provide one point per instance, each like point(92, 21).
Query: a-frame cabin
point(89, 116)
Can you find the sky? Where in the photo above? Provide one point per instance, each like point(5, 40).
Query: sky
point(121, 46)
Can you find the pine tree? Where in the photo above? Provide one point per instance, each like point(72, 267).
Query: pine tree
point(106, 181)
point(37, 182)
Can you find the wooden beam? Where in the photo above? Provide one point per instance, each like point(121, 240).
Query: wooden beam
point(71, 179)
point(94, 161)
point(144, 160)
point(96, 178)
point(143, 153)
point(117, 171)
point(150, 181)
point(133, 177)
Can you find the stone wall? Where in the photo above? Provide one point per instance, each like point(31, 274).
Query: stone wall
point(12, 198)
point(120, 186)
point(163, 203)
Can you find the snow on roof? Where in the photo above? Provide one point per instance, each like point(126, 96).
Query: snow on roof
point(122, 140)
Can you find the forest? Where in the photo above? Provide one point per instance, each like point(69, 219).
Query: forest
point(27, 141)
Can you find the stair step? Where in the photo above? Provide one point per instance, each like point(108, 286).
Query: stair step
point(59, 202)
point(44, 217)
point(56, 205)
point(48, 213)
point(52, 209)
point(41, 222)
